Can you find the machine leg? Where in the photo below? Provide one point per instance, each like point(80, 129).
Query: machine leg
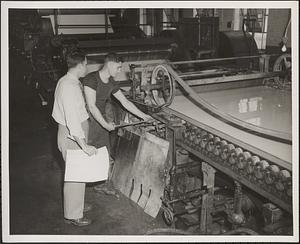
point(207, 199)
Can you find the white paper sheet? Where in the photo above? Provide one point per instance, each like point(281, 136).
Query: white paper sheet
point(83, 168)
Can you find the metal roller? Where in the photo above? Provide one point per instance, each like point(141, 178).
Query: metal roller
point(204, 138)
point(192, 135)
point(260, 168)
point(234, 154)
point(283, 177)
point(197, 139)
point(194, 128)
point(219, 146)
point(212, 143)
point(252, 161)
point(279, 186)
point(226, 151)
point(186, 134)
point(243, 159)
point(271, 174)
point(209, 140)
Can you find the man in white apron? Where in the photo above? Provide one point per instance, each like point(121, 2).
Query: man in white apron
point(69, 111)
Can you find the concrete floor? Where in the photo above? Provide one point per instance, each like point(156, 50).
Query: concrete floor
point(36, 173)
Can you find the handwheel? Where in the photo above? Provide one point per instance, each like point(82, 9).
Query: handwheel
point(168, 216)
point(164, 94)
point(284, 65)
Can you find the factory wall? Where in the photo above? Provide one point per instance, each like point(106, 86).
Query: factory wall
point(278, 19)
point(187, 13)
point(226, 19)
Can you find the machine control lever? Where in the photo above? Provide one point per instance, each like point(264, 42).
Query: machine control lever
point(131, 124)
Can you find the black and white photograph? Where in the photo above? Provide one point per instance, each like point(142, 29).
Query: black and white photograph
point(149, 121)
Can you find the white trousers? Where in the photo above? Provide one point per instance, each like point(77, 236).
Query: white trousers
point(73, 191)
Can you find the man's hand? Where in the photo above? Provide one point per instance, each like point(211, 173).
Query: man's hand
point(89, 150)
point(110, 126)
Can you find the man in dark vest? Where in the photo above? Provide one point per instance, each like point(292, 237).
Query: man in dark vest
point(98, 88)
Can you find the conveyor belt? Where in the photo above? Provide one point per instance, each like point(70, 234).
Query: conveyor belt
point(259, 105)
point(275, 151)
point(260, 131)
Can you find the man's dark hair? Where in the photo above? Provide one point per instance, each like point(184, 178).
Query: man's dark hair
point(112, 57)
point(75, 57)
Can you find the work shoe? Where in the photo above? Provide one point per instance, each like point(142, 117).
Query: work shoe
point(87, 207)
point(78, 222)
point(107, 189)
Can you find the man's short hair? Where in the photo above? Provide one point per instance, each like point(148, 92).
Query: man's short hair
point(112, 57)
point(74, 58)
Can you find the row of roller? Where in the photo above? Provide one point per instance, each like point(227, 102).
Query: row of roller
point(257, 170)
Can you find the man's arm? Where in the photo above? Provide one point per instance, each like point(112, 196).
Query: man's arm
point(130, 106)
point(90, 95)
